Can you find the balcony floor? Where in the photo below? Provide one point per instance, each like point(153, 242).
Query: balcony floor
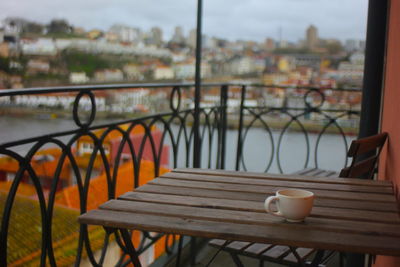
point(223, 259)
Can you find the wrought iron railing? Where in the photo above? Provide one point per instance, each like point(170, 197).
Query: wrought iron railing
point(145, 146)
point(308, 114)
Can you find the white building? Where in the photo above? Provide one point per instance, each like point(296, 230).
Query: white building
point(50, 47)
point(184, 70)
point(60, 101)
point(37, 66)
point(130, 100)
point(353, 69)
point(132, 72)
point(163, 73)
point(63, 43)
point(78, 77)
point(357, 58)
point(354, 45)
point(40, 47)
point(187, 70)
point(126, 33)
point(108, 75)
point(242, 65)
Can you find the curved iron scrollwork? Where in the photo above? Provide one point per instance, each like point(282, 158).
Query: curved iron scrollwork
point(175, 99)
point(311, 105)
point(84, 154)
point(75, 110)
point(309, 117)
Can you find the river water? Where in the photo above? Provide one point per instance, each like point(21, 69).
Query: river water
point(257, 148)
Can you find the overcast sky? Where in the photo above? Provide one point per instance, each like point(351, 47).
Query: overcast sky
point(231, 19)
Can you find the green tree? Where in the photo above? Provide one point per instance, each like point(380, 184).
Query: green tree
point(334, 48)
point(77, 61)
point(32, 27)
point(4, 64)
point(59, 26)
point(292, 50)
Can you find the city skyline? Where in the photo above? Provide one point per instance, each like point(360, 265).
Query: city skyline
point(286, 19)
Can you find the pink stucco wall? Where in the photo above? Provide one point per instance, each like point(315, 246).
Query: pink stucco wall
point(390, 159)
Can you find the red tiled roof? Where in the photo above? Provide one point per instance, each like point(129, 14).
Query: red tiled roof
point(97, 193)
point(24, 233)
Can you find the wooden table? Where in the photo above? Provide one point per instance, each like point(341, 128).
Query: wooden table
point(349, 215)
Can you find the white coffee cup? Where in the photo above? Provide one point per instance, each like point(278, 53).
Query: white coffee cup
point(293, 204)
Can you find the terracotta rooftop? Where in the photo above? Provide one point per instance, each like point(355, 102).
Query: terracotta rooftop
point(24, 235)
point(97, 194)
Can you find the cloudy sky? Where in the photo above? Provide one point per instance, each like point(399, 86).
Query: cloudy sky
point(231, 19)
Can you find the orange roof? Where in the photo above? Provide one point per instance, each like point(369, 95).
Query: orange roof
point(138, 129)
point(44, 163)
point(23, 188)
point(98, 186)
point(65, 218)
point(97, 194)
point(24, 233)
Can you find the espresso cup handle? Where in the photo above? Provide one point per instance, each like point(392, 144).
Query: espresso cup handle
point(267, 205)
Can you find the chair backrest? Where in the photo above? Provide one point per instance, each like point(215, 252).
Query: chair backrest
point(365, 153)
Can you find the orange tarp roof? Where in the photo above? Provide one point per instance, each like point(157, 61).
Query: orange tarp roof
point(23, 188)
point(138, 129)
point(97, 194)
point(98, 186)
point(45, 167)
point(25, 235)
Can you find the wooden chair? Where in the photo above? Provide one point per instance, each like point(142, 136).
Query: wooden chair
point(364, 153)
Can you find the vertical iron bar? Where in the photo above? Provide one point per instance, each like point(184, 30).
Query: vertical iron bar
point(240, 129)
point(193, 251)
point(236, 259)
point(179, 252)
point(223, 125)
point(318, 258)
point(130, 248)
point(372, 83)
point(196, 123)
point(374, 67)
point(197, 93)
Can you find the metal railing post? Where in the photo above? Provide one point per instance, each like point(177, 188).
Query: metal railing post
point(223, 126)
point(197, 93)
point(196, 124)
point(240, 129)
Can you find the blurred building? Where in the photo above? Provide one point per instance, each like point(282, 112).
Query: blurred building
point(312, 37)
point(132, 72)
point(37, 66)
point(269, 44)
point(178, 36)
point(94, 34)
point(192, 38)
point(4, 50)
point(352, 45)
point(126, 33)
point(157, 36)
point(108, 75)
point(162, 72)
point(242, 65)
point(78, 77)
point(39, 47)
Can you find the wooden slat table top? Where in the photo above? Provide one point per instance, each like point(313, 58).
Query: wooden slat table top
point(348, 214)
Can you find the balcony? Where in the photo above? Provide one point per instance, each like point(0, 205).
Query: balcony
point(49, 178)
